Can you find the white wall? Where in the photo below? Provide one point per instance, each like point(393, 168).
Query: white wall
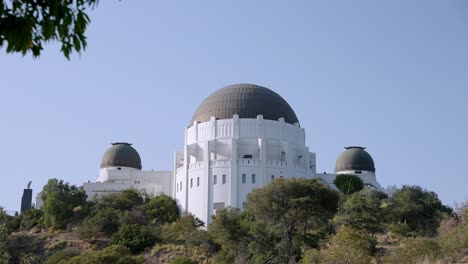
point(217, 147)
point(112, 180)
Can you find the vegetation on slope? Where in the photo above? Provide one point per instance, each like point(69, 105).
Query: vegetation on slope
point(288, 221)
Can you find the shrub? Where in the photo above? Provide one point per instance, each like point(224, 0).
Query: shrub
point(105, 220)
point(414, 250)
point(134, 237)
point(162, 209)
point(454, 243)
point(346, 246)
point(182, 260)
point(112, 254)
point(65, 254)
point(400, 228)
point(30, 218)
point(125, 200)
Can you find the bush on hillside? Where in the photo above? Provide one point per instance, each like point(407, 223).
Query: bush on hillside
point(134, 237)
point(414, 251)
point(65, 254)
point(111, 254)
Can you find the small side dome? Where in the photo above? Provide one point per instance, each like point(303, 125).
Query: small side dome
point(354, 158)
point(121, 154)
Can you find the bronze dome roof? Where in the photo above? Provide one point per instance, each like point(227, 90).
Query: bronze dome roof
point(121, 154)
point(247, 101)
point(354, 158)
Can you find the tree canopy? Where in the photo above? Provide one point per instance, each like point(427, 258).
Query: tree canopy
point(419, 209)
point(26, 26)
point(60, 200)
point(348, 184)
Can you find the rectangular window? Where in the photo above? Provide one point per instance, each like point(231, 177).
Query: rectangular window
point(217, 206)
point(358, 172)
point(272, 177)
point(247, 156)
point(198, 181)
point(224, 178)
point(243, 178)
point(191, 182)
point(253, 178)
point(215, 179)
point(180, 186)
point(177, 187)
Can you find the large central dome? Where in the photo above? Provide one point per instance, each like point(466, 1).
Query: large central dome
point(246, 100)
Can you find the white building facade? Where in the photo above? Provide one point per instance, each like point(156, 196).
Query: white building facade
point(121, 170)
point(223, 160)
point(240, 138)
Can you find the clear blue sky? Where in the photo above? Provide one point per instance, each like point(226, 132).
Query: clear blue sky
point(388, 75)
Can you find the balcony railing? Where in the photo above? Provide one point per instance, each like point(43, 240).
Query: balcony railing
point(277, 163)
point(196, 165)
point(220, 163)
point(248, 162)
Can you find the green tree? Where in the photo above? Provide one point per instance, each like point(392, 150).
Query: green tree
point(25, 26)
point(134, 237)
point(347, 246)
point(348, 184)
point(60, 199)
point(287, 213)
point(421, 210)
point(162, 209)
point(230, 229)
point(361, 210)
point(105, 220)
point(179, 231)
point(125, 200)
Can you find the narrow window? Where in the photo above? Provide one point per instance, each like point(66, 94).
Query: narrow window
point(243, 178)
point(191, 182)
point(272, 177)
point(224, 178)
point(215, 179)
point(253, 178)
point(181, 186)
point(198, 181)
point(177, 187)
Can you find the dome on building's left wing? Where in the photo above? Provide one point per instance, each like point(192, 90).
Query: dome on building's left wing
point(354, 158)
point(121, 154)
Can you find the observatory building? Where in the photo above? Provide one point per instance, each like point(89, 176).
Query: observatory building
point(121, 169)
point(241, 137)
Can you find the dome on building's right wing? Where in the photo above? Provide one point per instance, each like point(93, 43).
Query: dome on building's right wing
point(121, 155)
point(354, 158)
point(247, 101)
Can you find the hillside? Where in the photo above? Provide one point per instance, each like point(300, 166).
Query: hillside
point(288, 221)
